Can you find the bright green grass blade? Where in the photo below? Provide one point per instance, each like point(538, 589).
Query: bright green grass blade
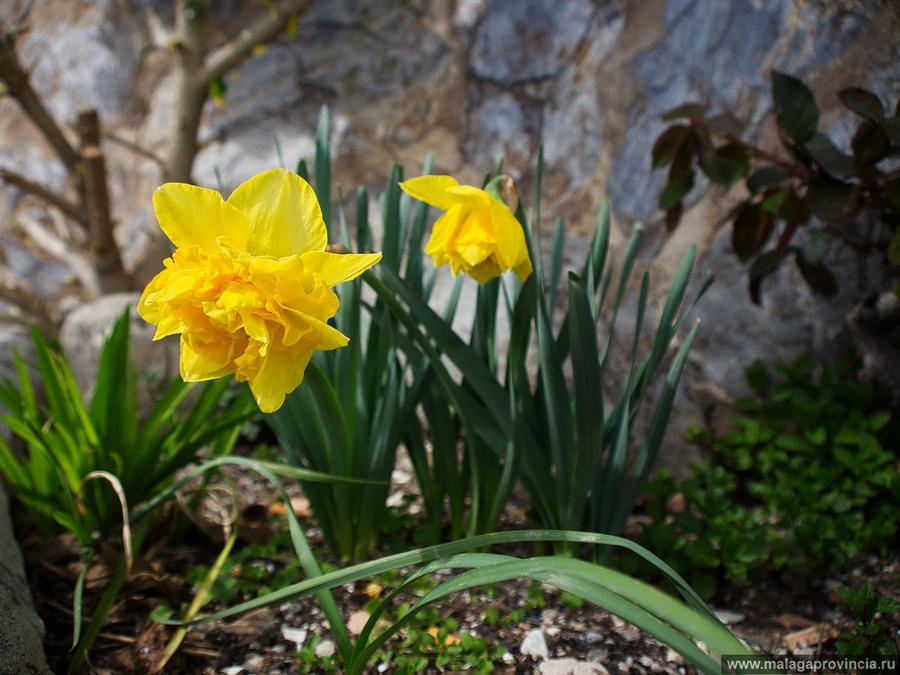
point(559, 237)
point(111, 406)
point(538, 258)
point(342, 220)
point(78, 600)
point(667, 321)
point(363, 233)
point(428, 554)
point(25, 401)
point(13, 471)
point(612, 473)
point(164, 411)
point(646, 458)
point(627, 265)
point(415, 253)
point(588, 398)
point(59, 404)
point(323, 166)
point(556, 402)
point(303, 170)
point(390, 216)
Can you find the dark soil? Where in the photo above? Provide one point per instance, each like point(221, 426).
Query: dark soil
point(764, 613)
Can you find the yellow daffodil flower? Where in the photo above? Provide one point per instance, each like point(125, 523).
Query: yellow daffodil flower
point(249, 285)
point(478, 234)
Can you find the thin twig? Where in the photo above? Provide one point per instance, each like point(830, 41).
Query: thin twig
point(135, 148)
point(68, 208)
point(232, 53)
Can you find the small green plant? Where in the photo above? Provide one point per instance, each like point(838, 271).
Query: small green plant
point(807, 478)
point(70, 444)
point(877, 617)
point(816, 189)
point(310, 663)
point(430, 641)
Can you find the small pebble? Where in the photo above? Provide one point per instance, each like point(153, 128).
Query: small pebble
point(295, 635)
point(535, 644)
point(593, 636)
point(325, 649)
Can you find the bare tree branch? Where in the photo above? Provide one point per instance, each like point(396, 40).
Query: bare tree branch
point(69, 208)
point(232, 53)
point(15, 290)
point(103, 242)
point(195, 70)
point(17, 83)
point(50, 243)
point(135, 148)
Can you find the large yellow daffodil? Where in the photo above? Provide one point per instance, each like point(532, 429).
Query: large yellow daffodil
point(249, 285)
point(478, 234)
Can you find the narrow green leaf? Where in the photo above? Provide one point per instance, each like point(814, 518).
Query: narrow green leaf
point(559, 238)
point(323, 166)
point(588, 395)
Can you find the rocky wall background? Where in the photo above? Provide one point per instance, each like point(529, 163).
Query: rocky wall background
point(473, 81)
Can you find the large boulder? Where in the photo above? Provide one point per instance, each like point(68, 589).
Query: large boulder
point(86, 328)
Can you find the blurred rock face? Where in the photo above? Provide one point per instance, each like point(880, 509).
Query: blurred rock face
point(474, 81)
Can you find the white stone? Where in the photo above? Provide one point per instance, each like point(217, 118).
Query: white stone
point(325, 649)
point(569, 666)
point(534, 644)
point(295, 635)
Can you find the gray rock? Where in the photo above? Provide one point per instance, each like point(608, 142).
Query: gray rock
point(85, 329)
point(526, 40)
point(21, 630)
point(704, 57)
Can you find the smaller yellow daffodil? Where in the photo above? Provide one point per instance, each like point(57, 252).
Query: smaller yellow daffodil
point(478, 234)
point(249, 285)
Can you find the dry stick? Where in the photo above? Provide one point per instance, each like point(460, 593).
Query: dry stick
point(103, 244)
point(16, 79)
point(68, 208)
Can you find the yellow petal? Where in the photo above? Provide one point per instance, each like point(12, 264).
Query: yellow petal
point(509, 235)
point(196, 216)
point(335, 268)
point(432, 190)
point(523, 270)
point(444, 232)
point(328, 338)
point(283, 213)
point(485, 271)
point(199, 364)
point(280, 374)
point(472, 196)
